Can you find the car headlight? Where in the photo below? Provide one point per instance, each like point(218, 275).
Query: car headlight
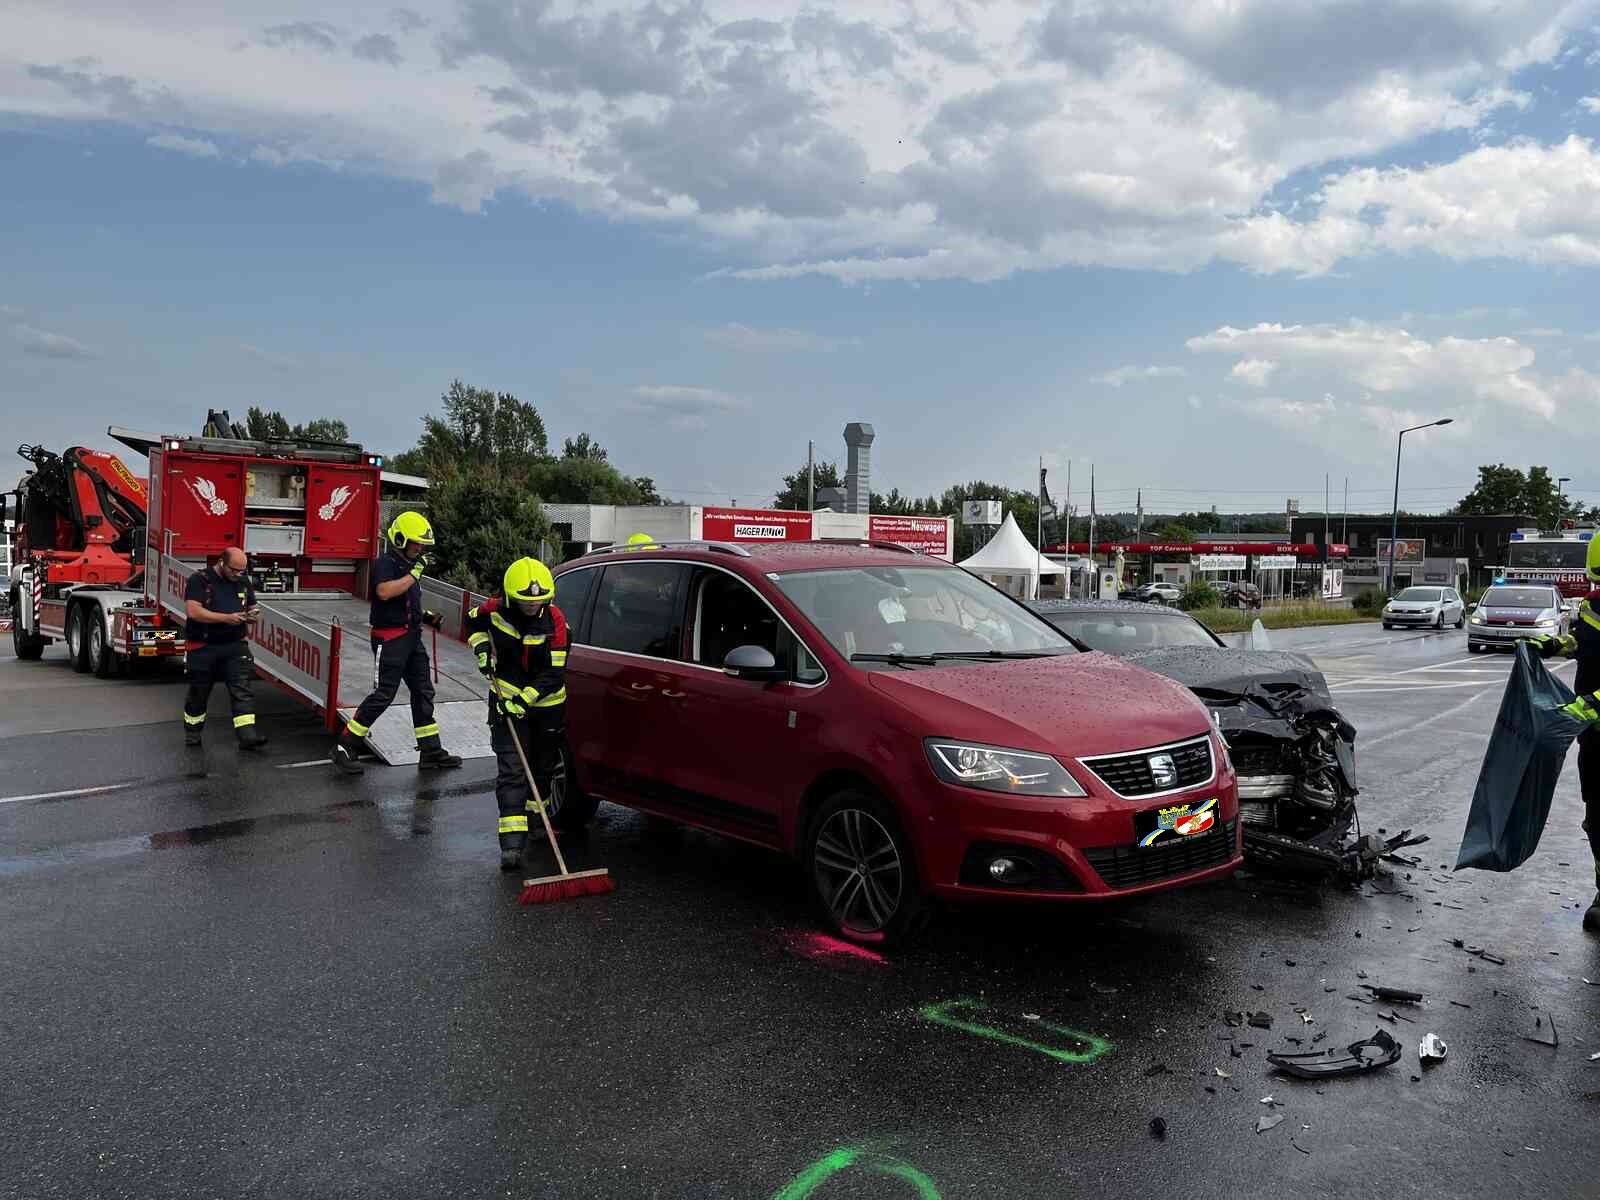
point(994, 769)
point(1545, 624)
point(1476, 620)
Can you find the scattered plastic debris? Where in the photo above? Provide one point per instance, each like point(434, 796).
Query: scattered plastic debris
point(1432, 1049)
point(1288, 962)
point(1233, 1019)
point(1544, 1031)
point(1261, 1020)
point(1158, 1069)
point(1595, 1057)
point(1380, 1050)
point(1460, 1004)
point(1221, 1074)
point(1307, 1018)
point(1320, 1036)
point(1235, 1051)
point(1030, 1016)
point(1265, 1123)
point(1272, 1101)
point(1299, 1147)
point(1158, 1128)
point(1395, 995)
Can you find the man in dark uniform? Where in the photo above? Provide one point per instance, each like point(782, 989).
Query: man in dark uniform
point(1583, 644)
point(520, 638)
point(398, 654)
point(220, 604)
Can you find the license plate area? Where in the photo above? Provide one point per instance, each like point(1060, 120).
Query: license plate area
point(1172, 824)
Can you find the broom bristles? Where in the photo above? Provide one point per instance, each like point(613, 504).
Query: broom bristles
point(555, 888)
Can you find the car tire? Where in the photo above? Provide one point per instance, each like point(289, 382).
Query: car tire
point(98, 647)
point(28, 647)
point(571, 808)
point(1473, 647)
point(1461, 621)
point(885, 907)
point(77, 638)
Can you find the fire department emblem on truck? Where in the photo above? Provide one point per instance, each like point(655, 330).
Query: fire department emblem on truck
point(338, 501)
point(205, 492)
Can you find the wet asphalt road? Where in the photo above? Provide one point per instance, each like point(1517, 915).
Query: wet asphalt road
point(270, 982)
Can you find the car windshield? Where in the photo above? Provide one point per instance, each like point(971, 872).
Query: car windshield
point(1519, 598)
point(1129, 633)
point(1419, 596)
point(898, 612)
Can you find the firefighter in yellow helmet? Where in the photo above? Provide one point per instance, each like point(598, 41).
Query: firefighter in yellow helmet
point(520, 638)
point(1583, 644)
point(641, 541)
point(398, 653)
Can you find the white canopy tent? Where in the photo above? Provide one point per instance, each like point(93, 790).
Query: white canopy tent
point(1008, 557)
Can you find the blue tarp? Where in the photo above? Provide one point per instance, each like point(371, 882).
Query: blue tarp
point(1520, 768)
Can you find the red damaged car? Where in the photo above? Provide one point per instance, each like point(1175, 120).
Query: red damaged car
point(906, 730)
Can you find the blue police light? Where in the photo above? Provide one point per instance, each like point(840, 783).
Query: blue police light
point(1516, 537)
point(1585, 535)
point(1499, 579)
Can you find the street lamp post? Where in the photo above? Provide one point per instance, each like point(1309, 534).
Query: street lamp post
point(1394, 518)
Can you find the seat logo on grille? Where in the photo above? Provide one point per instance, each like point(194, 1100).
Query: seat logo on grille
point(1163, 771)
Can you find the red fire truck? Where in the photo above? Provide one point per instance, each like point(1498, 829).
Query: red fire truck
point(1552, 558)
point(307, 513)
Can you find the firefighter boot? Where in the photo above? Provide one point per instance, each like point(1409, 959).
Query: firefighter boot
point(346, 753)
point(510, 860)
point(433, 755)
point(250, 738)
point(192, 735)
point(1591, 919)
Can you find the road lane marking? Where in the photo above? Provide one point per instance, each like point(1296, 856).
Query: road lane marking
point(1443, 715)
point(310, 762)
point(88, 791)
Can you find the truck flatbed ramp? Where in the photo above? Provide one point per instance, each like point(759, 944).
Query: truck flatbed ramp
point(459, 705)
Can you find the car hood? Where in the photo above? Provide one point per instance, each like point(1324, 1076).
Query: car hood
point(1262, 691)
point(1073, 705)
point(1503, 613)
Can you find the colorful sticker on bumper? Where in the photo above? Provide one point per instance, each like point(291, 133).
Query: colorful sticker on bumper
point(1180, 820)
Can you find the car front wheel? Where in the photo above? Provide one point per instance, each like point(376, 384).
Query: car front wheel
point(862, 876)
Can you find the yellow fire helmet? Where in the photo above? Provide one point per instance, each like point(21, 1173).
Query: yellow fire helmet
point(528, 579)
point(410, 527)
point(641, 541)
point(1593, 560)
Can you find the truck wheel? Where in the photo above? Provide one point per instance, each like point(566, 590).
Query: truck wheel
point(862, 875)
point(77, 641)
point(24, 645)
point(571, 808)
point(101, 660)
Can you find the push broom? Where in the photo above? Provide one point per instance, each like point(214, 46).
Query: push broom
point(568, 885)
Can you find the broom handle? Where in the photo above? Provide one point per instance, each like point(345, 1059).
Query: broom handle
point(511, 728)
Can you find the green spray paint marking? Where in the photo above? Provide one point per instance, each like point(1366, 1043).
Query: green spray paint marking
point(857, 1158)
point(943, 1013)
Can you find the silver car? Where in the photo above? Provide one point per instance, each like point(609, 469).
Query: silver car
point(1506, 614)
point(1425, 607)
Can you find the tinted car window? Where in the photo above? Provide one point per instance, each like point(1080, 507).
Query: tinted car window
point(1128, 633)
point(572, 597)
point(1419, 595)
point(729, 614)
point(638, 608)
point(1519, 598)
point(916, 610)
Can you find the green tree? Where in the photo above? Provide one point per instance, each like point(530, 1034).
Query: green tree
point(586, 481)
point(1500, 489)
point(265, 425)
point(482, 525)
point(479, 427)
point(323, 429)
point(793, 493)
point(583, 447)
point(1175, 531)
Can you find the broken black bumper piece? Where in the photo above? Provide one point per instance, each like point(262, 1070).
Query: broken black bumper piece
point(1380, 1050)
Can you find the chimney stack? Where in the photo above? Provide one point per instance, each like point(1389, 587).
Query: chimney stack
point(858, 467)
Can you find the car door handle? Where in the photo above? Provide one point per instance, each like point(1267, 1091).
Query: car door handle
point(672, 695)
point(642, 687)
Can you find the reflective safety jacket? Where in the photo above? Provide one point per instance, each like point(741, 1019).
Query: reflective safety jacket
point(529, 654)
point(1583, 644)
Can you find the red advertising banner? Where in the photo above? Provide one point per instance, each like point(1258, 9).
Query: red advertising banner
point(755, 525)
point(926, 535)
point(1302, 549)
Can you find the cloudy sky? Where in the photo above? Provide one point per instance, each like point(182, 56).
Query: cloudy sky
point(1220, 247)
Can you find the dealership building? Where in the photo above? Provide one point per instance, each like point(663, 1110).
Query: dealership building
point(1459, 551)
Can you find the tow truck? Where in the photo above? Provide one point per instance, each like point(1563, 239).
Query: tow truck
point(306, 512)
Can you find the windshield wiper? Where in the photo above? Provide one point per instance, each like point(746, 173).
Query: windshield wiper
point(922, 660)
point(980, 654)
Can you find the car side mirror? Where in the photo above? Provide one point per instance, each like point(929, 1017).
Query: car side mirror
point(754, 664)
point(1472, 608)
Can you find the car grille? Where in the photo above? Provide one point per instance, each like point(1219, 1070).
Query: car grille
point(1130, 866)
point(1129, 774)
point(1259, 758)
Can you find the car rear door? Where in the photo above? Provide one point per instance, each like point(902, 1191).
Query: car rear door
point(625, 674)
point(740, 743)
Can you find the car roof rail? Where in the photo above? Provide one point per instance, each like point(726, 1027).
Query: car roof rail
point(875, 544)
point(674, 544)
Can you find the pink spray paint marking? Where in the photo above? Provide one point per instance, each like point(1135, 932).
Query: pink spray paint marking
point(820, 946)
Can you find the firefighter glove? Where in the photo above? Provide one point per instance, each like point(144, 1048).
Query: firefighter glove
point(484, 668)
point(419, 566)
point(1584, 708)
point(512, 708)
point(434, 619)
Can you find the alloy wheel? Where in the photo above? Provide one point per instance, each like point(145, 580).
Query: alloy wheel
point(858, 871)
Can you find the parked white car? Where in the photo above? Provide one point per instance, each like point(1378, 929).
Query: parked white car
point(1425, 607)
point(1159, 593)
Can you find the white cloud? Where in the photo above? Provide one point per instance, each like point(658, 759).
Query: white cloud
point(178, 144)
point(682, 407)
point(1254, 371)
point(743, 337)
point(278, 362)
point(43, 344)
point(879, 139)
point(1195, 403)
point(1591, 104)
point(1390, 361)
point(1120, 376)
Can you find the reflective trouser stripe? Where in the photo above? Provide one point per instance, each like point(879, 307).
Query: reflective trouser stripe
point(553, 699)
point(188, 720)
point(423, 731)
point(478, 639)
point(517, 824)
point(247, 719)
point(558, 658)
point(357, 728)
